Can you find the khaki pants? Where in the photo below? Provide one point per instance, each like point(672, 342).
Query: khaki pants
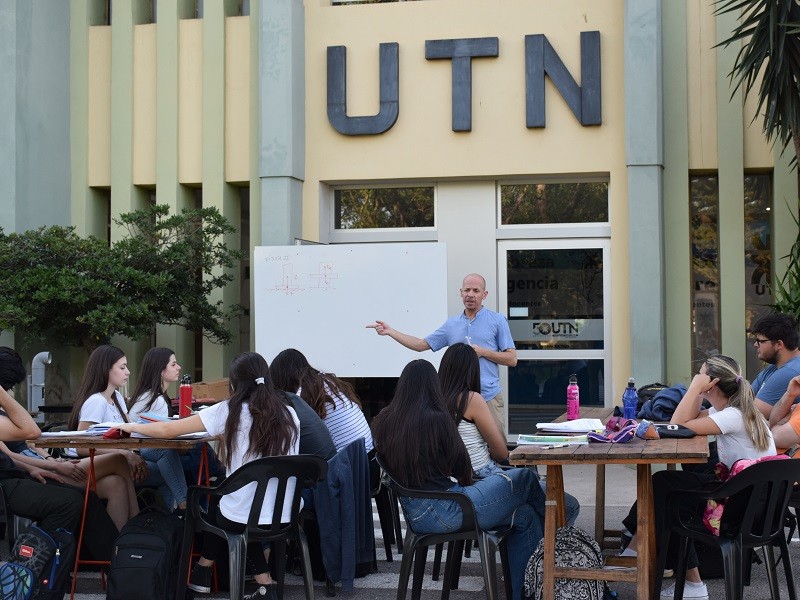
point(496, 407)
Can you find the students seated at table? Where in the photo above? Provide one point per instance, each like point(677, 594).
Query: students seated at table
point(253, 423)
point(784, 420)
point(334, 400)
point(159, 370)
point(114, 482)
point(776, 341)
point(742, 432)
point(99, 401)
point(459, 376)
point(418, 441)
point(36, 494)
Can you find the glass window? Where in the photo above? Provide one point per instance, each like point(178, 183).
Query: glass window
point(383, 208)
point(757, 257)
point(539, 390)
point(704, 216)
point(543, 203)
point(555, 298)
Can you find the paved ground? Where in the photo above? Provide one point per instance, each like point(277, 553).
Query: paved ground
point(578, 481)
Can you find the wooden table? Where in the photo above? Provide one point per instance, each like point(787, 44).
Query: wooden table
point(642, 453)
point(93, 443)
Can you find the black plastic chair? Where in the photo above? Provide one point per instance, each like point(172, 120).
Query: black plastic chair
point(756, 502)
point(415, 548)
point(306, 469)
point(388, 512)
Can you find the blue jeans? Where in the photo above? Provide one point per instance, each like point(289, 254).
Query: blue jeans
point(571, 505)
point(513, 498)
point(165, 471)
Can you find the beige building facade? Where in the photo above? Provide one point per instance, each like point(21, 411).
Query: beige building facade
point(629, 245)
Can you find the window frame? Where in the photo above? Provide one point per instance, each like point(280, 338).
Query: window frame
point(552, 230)
point(382, 234)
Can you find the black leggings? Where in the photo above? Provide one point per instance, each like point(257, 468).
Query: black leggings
point(663, 482)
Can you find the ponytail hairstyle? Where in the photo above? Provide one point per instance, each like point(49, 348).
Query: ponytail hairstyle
point(149, 383)
point(273, 430)
point(291, 371)
point(740, 395)
point(460, 376)
point(415, 435)
point(95, 380)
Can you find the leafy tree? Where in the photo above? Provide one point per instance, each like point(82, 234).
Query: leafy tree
point(82, 292)
point(771, 36)
point(770, 32)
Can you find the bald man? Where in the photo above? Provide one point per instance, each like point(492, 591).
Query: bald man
point(483, 329)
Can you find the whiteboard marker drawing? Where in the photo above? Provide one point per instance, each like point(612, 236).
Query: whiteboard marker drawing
point(325, 276)
point(288, 281)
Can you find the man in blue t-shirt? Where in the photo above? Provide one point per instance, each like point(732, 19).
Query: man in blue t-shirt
point(483, 329)
point(776, 340)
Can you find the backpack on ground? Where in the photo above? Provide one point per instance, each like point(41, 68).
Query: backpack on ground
point(574, 549)
point(146, 556)
point(49, 556)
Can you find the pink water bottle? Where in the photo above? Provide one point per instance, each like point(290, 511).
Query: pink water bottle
point(573, 399)
point(185, 397)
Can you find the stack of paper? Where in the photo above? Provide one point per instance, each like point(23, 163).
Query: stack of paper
point(574, 426)
point(101, 428)
point(551, 439)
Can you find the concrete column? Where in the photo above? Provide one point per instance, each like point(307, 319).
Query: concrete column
point(282, 116)
point(645, 160)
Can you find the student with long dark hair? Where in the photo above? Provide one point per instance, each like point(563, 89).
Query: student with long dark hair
point(159, 369)
point(98, 401)
point(253, 423)
point(334, 400)
point(459, 376)
point(418, 442)
point(112, 476)
point(741, 431)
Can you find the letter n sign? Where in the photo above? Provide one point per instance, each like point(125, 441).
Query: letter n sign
point(583, 100)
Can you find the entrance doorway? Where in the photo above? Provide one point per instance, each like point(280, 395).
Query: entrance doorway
point(556, 295)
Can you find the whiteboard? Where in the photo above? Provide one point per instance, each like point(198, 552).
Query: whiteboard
point(319, 299)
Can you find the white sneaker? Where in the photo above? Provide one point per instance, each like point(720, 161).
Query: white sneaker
point(691, 591)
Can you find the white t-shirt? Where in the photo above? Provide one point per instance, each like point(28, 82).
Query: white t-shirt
point(734, 443)
point(159, 407)
point(236, 505)
point(96, 409)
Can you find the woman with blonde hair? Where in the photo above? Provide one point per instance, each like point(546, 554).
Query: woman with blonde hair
point(742, 432)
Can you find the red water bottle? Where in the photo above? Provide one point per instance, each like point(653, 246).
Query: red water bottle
point(185, 397)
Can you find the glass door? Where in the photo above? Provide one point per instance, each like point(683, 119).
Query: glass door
point(556, 295)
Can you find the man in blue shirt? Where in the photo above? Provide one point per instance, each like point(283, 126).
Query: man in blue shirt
point(483, 329)
point(776, 340)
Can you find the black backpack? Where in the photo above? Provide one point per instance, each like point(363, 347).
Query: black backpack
point(648, 392)
point(50, 556)
point(146, 556)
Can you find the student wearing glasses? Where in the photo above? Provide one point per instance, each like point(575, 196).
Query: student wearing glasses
point(776, 341)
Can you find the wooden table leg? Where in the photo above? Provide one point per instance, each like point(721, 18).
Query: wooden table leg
point(600, 506)
point(645, 533)
point(553, 519)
